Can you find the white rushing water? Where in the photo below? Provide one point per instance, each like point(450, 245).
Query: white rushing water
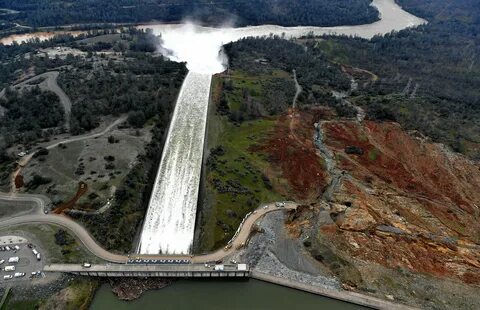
point(170, 221)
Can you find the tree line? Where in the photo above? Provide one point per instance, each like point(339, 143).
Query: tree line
point(38, 13)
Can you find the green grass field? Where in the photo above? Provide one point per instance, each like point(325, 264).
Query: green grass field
point(235, 182)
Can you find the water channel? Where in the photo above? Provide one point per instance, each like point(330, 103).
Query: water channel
point(221, 295)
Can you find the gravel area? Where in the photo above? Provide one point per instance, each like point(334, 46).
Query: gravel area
point(273, 252)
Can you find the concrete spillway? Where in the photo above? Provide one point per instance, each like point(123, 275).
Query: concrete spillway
point(170, 221)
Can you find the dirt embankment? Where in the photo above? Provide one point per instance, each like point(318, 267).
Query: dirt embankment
point(82, 189)
point(404, 202)
point(291, 148)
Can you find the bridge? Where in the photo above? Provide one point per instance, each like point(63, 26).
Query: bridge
point(154, 270)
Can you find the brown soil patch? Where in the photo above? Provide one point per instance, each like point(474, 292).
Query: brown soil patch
point(291, 148)
point(19, 182)
point(82, 189)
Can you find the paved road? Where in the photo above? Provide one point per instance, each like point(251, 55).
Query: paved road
point(40, 201)
point(83, 235)
point(50, 83)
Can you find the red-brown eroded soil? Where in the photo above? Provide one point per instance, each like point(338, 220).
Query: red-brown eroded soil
point(292, 149)
point(411, 204)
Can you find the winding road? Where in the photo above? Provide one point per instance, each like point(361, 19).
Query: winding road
point(91, 244)
point(50, 83)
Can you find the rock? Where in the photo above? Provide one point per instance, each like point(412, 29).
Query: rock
point(338, 208)
point(357, 219)
point(133, 288)
point(355, 150)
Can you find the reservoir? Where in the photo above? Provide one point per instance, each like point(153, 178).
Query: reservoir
point(220, 294)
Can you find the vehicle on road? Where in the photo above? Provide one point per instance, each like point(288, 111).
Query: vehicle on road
point(86, 265)
point(38, 256)
point(7, 277)
point(242, 267)
point(19, 274)
point(35, 252)
point(10, 268)
point(219, 268)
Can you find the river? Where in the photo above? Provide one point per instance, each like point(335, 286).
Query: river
point(220, 294)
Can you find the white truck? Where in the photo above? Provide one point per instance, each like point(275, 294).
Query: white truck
point(219, 268)
point(14, 259)
point(9, 268)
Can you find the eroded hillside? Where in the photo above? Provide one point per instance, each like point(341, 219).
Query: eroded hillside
point(403, 202)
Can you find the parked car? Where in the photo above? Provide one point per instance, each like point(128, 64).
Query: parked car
point(7, 277)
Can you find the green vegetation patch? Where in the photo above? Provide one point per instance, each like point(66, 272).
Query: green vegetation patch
point(236, 178)
point(28, 112)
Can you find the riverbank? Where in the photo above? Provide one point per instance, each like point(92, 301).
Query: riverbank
point(186, 294)
point(351, 297)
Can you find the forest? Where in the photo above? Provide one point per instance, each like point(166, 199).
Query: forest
point(36, 13)
point(28, 112)
point(429, 77)
point(143, 86)
point(270, 56)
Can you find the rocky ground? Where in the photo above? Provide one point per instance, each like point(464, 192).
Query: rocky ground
point(133, 288)
point(273, 252)
point(401, 223)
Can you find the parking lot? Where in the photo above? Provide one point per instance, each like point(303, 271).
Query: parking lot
point(12, 247)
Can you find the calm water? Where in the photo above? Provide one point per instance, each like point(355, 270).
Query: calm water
point(222, 295)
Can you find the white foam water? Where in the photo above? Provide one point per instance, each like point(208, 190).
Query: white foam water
point(170, 221)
